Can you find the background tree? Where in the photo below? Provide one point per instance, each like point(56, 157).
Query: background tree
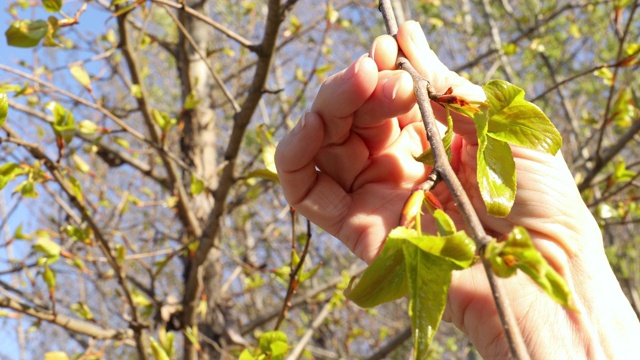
point(141, 215)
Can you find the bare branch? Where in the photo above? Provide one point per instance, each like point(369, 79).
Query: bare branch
point(297, 350)
point(223, 29)
point(77, 326)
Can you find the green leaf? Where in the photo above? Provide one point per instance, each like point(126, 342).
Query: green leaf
point(63, 123)
point(157, 350)
point(518, 252)
point(271, 337)
point(76, 189)
point(620, 174)
point(26, 33)
point(81, 75)
point(4, 108)
point(49, 277)
point(122, 142)
point(46, 246)
point(121, 254)
point(624, 111)
point(385, 279)
point(459, 249)
point(496, 176)
point(265, 174)
point(191, 101)
point(428, 279)
point(197, 185)
point(444, 224)
point(56, 355)
point(82, 310)
point(27, 189)
point(427, 156)
point(87, 127)
point(163, 120)
point(278, 348)
point(52, 5)
point(268, 146)
point(514, 120)
point(8, 172)
point(246, 355)
point(136, 91)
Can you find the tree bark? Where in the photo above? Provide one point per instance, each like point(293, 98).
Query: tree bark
point(198, 146)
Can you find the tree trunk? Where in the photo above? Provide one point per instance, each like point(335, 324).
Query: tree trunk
point(198, 145)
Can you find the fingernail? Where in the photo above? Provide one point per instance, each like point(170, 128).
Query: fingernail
point(390, 87)
point(417, 35)
point(302, 121)
point(373, 49)
point(353, 69)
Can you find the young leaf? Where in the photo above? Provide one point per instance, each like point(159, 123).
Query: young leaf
point(197, 185)
point(8, 172)
point(444, 224)
point(427, 156)
point(412, 209)
point(496, 176)
point(157, 350)
point(4, 108)
point(52, 5)
point(428, 279)
point(385, 279)
point(459, 249)
point(49, 277)
point(87, 127)
point(63, 123)
point(517, 121)
point(518, 252)
point(26, 33)
point(81, 75)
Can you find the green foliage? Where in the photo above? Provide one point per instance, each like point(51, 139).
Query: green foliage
point(518, 252)
point(26, 33)
point(63, 124)
point(507, 119)
point(420, 267)
point(427, 156)
point(4, 108)
point(271, 345)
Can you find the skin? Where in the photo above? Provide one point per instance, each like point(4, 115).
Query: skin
point(348, 167)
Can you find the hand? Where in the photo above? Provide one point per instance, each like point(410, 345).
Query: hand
point(361, 133)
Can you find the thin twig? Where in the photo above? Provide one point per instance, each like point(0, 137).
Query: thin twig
point(295, 269)
point(227, 178)
point(444, 169)
point(297, 350)
point(71, 324)
point(223, 29)
point(203, 57)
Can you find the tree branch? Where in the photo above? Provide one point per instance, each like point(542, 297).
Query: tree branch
point(227, 177)
point(444, 170)
point(71, 324)
point(184, 206)
point(223, 29)
point(103, 243)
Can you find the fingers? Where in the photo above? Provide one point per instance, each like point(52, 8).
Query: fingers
point(384, 52)
point(392, 97)
point(310, 192)
point(341, 95)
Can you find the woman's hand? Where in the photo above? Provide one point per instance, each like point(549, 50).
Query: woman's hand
point(348, 166)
